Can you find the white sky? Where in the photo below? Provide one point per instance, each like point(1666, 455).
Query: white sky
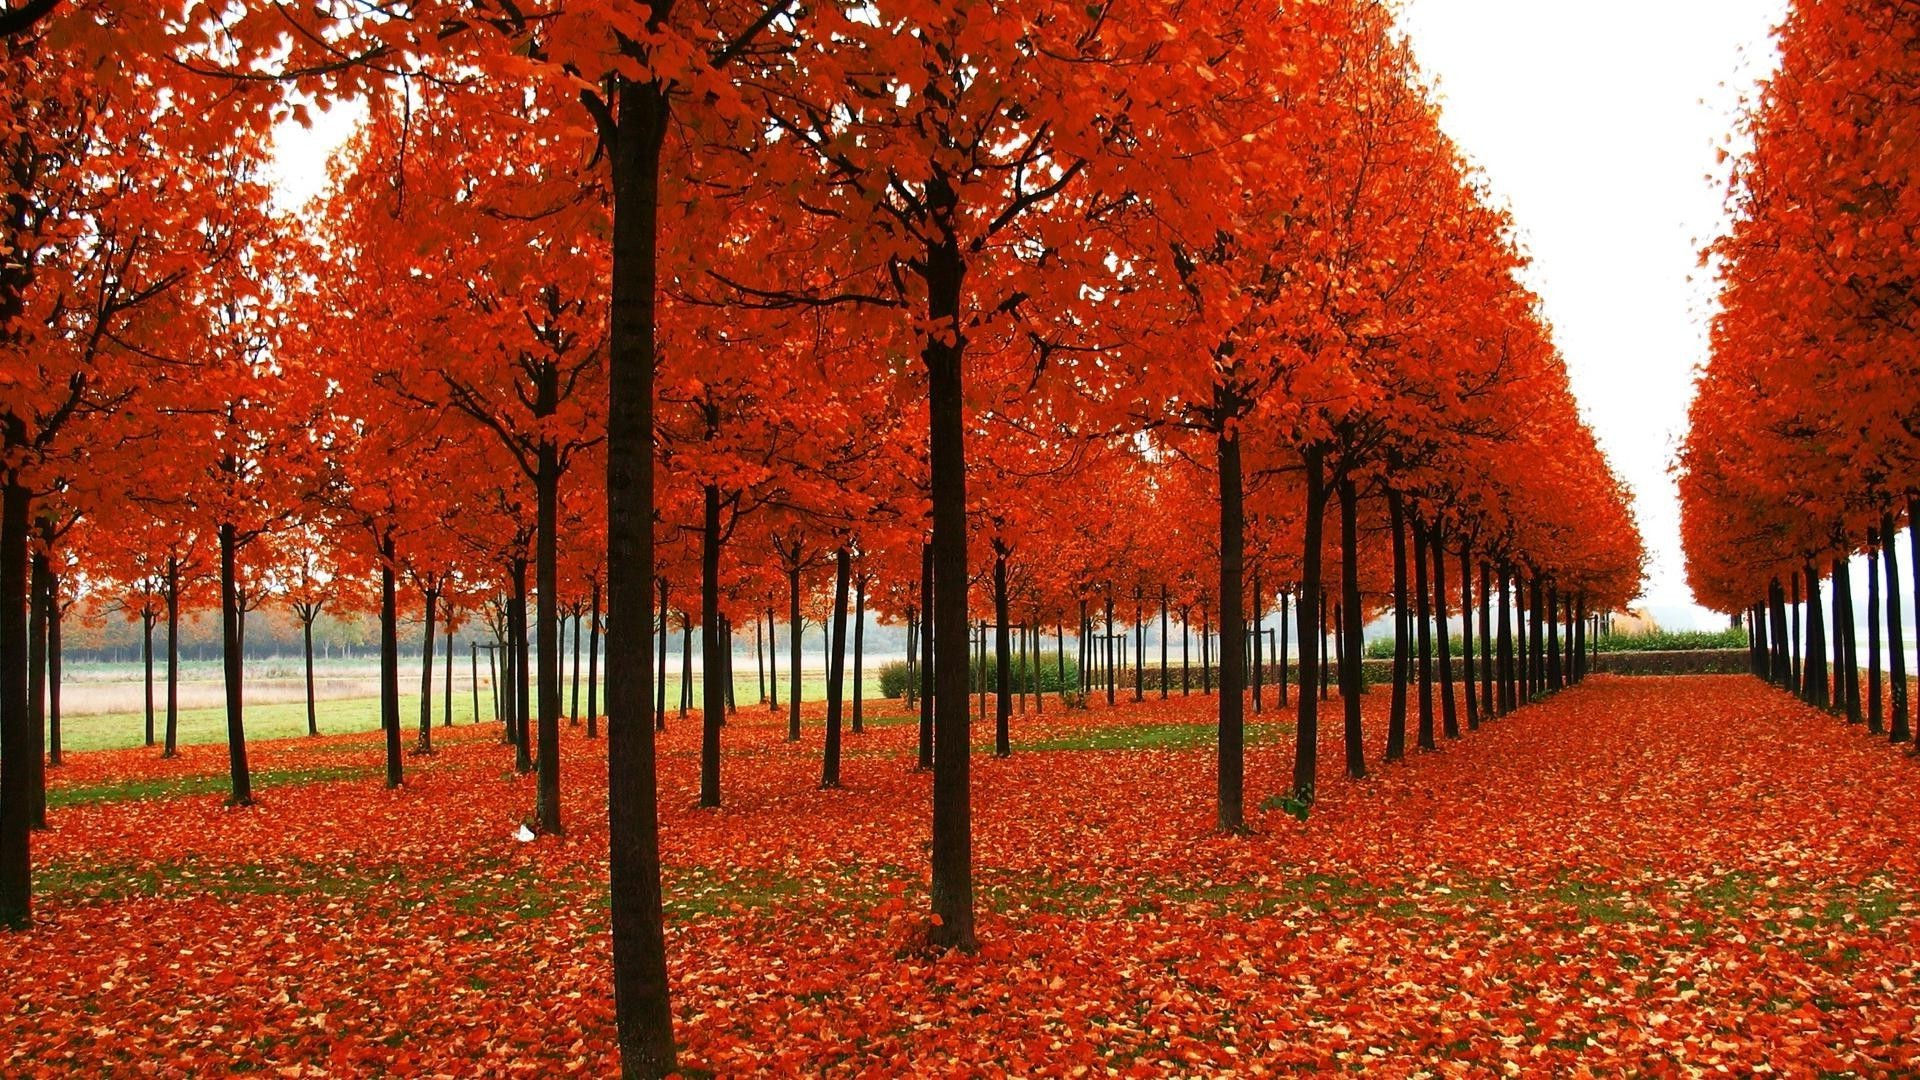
point(1598, 123)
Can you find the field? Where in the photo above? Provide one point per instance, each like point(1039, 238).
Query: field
point(1639, 876)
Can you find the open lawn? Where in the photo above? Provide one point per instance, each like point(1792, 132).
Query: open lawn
point(1640, 876)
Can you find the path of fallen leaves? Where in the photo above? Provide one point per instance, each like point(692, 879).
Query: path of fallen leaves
point(1650, 875)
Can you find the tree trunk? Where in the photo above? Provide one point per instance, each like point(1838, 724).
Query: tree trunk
point(773, 665)
point(926, 657)
point(713, 696)
point(793, 651)
point(54, 756)
point(859, 650)
point(836, 670)
point(147, 618)
point(1486, 641)
point(641, 1007)
point(446, 700)
point(1256, 617)
point(1002, 658)
point(430, 600)
point(1423, 627)
point(390, 662)
point(1112, 675)
point(1876, 711)
point(1306, 747)
point(38, 579)
point(1846, 645)
point(1554, 673)
point(1350, 685)
point(952, 882)
point(573, 705)
point(1449, 710)
point(1402, 622)
point(1166, 628)
point(1231, 794)
point(660, 683)
point(306, 648)
point(173, 659)
point(237, 773)
point(1813, 665)
point(1897, 726)
point(1507, 696)
point(522, 703)
point(1467, 682)
point(18, 748)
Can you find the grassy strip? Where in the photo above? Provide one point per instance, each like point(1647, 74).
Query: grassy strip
point(173, 787)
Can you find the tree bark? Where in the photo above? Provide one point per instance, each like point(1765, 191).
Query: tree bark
point(237, 773)
point(1423, 626)
point(1231, 782)
point(522, 703)
point(390, 661)
point(430, 599)
point(1876, 710)
point(859, 651)
point(1402, 622)
point(713, 696)
point(793, 651)
point(1002, 658)
point(836, 670)
point(1449, 709)
point(17, 742)
point(927, 658)
point(1467, 681)
point(640, 993)
point(147, 618)
point(1350, 684)
point(1306, 747)
point(1897, 725)
point(38, 578)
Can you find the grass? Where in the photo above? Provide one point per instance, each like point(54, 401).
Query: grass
point(61, 796)
point(286, 720)
point(1168, 736)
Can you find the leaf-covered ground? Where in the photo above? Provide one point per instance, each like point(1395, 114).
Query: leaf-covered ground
point(1656, 875)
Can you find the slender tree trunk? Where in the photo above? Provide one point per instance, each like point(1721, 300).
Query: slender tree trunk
point(522, 705)
point(306, 648)
point(1166, 627)
point(54, 755)
point(1799, 620)
point(38, 579)
point(1111, 673)
point(1284, 625)
point(1554, 674)
point(1307, 722)
point(952, 881)
point(836, 670)
point(1206, 651)
point(446, 699)
point(793, 651)
point(1402, 621)
point(1782, 659)
point(1350, 684)
point(1423, 612)
point(573, 706)
point(1897, 727)
point(230, 634)
point(660, 682)
point(1876, 711)
point(927, 658)
point(1814, 663)
point(1259, 616)
point(1507, 695)
point(431, 600)
point(147, 618)
point(686, 662)
point(18, 748)
point(1846, 644)
point(1467, 681)
point(1231, 786)
point(546, 556)
point(390, 661)
point(1002, 658)
point(859, 649)
point(1486, 641)
point(773, 665)
point(713, 696)
point(1449, 709)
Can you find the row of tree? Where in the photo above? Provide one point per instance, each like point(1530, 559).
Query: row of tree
point(1804, 445)
point(642, 303)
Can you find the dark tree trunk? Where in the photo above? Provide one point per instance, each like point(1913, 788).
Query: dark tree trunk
point(1486, 641)
point(1449, 709)
point(1166, 627)
point(1467, 681)
point(1206, 650)
point(242, 781)
point(147, 618)
point(1423, 614)
point(641, 1006)
point(1876, 711)
point(54, 756)
point(660, 682)
point(952, 881)
point(773, 665)
point(1813, 665)
point(306, 648)
point(836, 670)
point(926, 657)
point(446, 698)
point(522, 703)
point(1402, 648)
point(573, 706)
point(390, 662)
point(1799, 621)
point(38, 580)
point(1326, 669)
point(1306, 747)
point(713, 695)
point(1231, 793)
point(546, 558)
point(1536, 632)
point(1897, 726)
point(1002, 658)
point(593, 663)
point(1507, 702)
point(1350, 625)
point(1554, 674)
point(1112, 674)
point(430, 600)
point(859, 651)
point(793, 651)
point(1285, 626)
point(1845, 646)
point(18, 747)
point(1782, 659)
point(1259, 667)
point(686, 662)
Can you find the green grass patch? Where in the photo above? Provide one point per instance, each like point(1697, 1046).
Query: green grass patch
point(1167, 736)
point(60, 796)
